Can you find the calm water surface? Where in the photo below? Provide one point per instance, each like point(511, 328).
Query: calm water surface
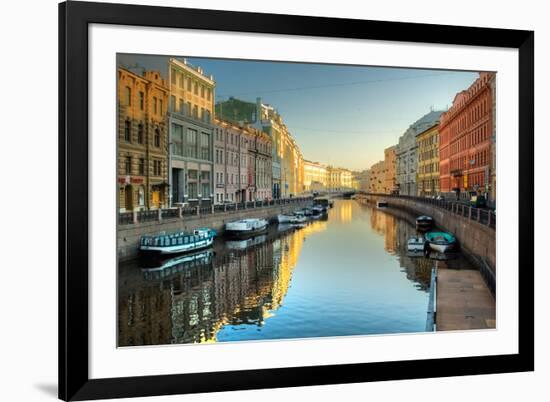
point(346, 275)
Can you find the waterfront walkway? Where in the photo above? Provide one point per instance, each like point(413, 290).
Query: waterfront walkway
point(463, 300)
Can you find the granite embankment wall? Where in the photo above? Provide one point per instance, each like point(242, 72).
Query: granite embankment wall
point(128, 235)
point(475, 238)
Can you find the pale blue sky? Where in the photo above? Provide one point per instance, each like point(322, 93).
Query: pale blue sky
point(339, 115)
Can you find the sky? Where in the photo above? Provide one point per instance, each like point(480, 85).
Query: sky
point(339, 114)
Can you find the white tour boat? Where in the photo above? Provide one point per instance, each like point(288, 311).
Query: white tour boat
point(246, 227)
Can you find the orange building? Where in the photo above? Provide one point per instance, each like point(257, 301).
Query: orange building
point(390, 167)
point(142, 140)
point(466, 131)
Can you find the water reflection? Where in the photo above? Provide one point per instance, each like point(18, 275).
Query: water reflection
point(345, 275)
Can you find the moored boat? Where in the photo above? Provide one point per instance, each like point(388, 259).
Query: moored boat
point(415, 243)
point(317, 210)
point(291, 219)
point(424, 222)
point(381, 204)
point(298, 219)
point(179, 242)
point(440, 241)
point(281, 218)
point(246, 227)
point(322, 202)
point(307, 211)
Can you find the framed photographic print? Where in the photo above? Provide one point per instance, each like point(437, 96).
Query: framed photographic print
point(258, 200)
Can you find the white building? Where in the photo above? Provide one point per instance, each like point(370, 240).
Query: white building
point(406, 153)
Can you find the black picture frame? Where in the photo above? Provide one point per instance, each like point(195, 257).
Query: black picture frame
point(74, 18)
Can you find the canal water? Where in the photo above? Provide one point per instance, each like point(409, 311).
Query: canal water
point(346, 274)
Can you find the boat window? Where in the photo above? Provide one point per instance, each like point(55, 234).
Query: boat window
point(186, 239)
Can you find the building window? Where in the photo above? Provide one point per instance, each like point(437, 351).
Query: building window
point(141, 166)
point(191, 143)
point(205, 146)
point(141, 100)
point(157, 138)
point(208, 93)
point(154, 104)
point(128, 96)
point(177, 139)
point(196, 88)
point(202, 91)
point(140, 133)
point(192, 190)
point(157, 168)
point(181, 80)
point(127, 131)
point(173, 76)
point(128, 165)
point(195, 112)
point(188, 112)
point(160, 104)
point(172, 103)
point(189, 84)
point(181, 106)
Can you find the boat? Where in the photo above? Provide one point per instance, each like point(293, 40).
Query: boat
point(298, 219)
point(317, 210)
point(307, 211)
point(246, 227)
point(424, 222)
point(281, 218)
point(381, 204)
point(416, 246)
point(294, 218)
point(179, 242)
point(440, 241)
point(159, 269)
point(322, 202)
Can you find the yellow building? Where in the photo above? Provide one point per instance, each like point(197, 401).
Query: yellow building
point(315, 176)
point(428, 161)
point(377, 178)
point(390, 170)
point(339, 179)
point(191, 112)
point(142, 140)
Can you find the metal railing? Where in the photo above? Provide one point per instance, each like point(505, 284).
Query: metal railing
point(484, 216)
point(432, 303)
point(128, 218)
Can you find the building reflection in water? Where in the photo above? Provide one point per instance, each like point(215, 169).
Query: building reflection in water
point(192, 298)
point(190, 301)
point(396, 232)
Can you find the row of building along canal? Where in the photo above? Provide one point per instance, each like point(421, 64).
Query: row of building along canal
point(347, 273)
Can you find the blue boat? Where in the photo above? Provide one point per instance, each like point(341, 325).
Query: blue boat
point(179, 242)
point(440, 241)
